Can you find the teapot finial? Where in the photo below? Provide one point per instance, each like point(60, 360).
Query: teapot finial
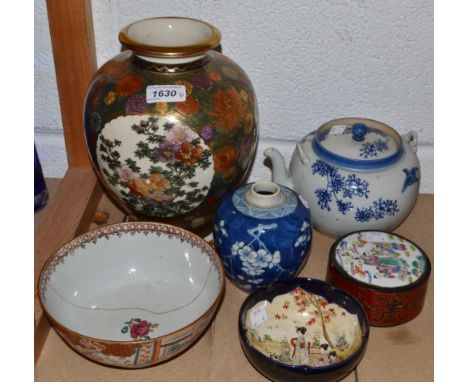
point(359, 131)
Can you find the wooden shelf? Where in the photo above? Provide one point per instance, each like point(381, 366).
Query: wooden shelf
point(403, 353)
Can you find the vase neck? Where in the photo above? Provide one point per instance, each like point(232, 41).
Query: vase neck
point(170, 65)
point(265, 195)
point(171, 61)
point(175, 40)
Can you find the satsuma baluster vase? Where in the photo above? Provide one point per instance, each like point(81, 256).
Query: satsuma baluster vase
point(170, 123)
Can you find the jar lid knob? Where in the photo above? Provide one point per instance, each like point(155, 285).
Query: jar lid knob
point(359, 131)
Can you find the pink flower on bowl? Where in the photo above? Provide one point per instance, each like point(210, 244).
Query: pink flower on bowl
point(140, 329)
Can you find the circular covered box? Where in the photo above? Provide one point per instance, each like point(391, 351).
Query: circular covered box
point(386, 272)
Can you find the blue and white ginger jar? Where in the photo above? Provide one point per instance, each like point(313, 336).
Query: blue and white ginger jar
point(263, 233)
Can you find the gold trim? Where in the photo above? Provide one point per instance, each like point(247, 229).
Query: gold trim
point(127, 227)
point(170, 51)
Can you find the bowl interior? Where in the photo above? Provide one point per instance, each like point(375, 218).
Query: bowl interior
point(303, 323)
point(105, 282)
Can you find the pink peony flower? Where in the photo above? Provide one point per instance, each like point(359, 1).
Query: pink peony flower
point(125, 174)
point(178, 135)
point(140, 329)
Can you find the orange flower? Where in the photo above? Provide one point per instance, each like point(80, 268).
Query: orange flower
point(189, 153)
point(228, 108)
point(225, 159)
point(139, 187)
point(213, 76)
point(189, 107)
point(129, 85)
point(158, 183)
point(143, 187)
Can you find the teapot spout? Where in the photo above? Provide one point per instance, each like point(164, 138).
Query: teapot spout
point(279, 172)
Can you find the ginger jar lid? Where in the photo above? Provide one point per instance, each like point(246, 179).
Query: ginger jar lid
point(381, 260)
point(358, 144)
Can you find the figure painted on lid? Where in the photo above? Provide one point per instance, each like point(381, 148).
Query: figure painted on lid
point(301, 347)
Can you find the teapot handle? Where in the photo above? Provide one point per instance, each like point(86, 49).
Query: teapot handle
point(412, 139)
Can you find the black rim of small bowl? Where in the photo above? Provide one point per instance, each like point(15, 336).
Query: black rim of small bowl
point(290, 284)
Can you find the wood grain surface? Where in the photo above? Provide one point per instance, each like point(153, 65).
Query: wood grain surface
point(72, 37)
point(402, 353)
point(67, 214)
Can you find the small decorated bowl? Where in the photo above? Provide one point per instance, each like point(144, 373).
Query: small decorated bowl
point(302, 329)
point(386, 272)
point(132, 294)
point(263, 233)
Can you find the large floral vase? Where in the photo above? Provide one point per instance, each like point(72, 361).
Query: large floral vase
point(171, 161)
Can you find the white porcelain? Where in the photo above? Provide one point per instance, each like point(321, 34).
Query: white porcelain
point(149, 289)
point(170, 32)
point(117, 129)
point(350, 181)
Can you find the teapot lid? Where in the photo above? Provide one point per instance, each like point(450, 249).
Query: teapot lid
point(357, 143)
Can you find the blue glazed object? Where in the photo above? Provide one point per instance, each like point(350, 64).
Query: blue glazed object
point(280, 372)
point(41, 196)
point(263, 233)
point(359, 131)
point(355, 174)
point(366, 151)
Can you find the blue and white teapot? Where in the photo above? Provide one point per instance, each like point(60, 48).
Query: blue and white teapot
point(354, 173)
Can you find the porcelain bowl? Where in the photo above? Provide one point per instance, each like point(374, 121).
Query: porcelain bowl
point(302, 329)
point(132, 294)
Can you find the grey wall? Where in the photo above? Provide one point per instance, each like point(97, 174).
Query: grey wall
point(309, 61)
